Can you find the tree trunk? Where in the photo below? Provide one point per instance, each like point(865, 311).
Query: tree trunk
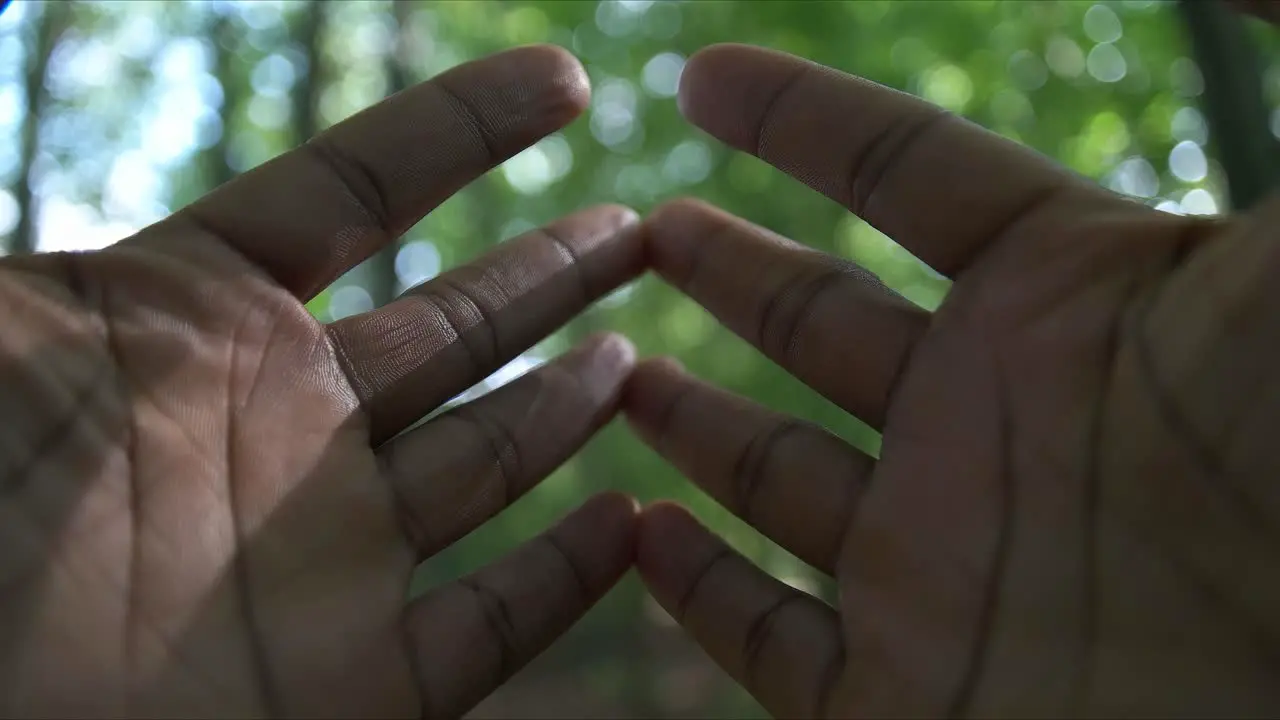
point(217, 164)
point(1233, 101)
point(306, 93)
point(55, 18)
point(380, 270)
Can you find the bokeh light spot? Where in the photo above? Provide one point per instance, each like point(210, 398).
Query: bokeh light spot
point(1187, 162)
point(1106, 63)
point(661, 75)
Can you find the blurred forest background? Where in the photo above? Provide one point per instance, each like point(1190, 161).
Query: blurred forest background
point(116, 113)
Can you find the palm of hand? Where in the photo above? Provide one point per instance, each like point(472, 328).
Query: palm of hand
point(222, 437)
point(205, 513)
point(211, 509)
point(1070, 513)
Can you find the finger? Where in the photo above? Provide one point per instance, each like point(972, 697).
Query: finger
point(1268, 10)
point(437, 340)
point(939, 185)
point(782, 645)
point(482, 456)
point(827, 321)
point(309, 215)
point(472, 635)
point(794, 482)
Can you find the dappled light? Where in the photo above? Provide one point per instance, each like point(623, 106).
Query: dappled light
point(144, 106)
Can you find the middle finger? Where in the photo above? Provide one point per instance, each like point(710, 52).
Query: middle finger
point(440, 338)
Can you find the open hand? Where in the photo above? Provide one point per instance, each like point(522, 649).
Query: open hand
point(206, 504)
point(1075, 510)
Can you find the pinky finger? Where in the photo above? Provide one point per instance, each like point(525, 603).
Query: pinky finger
point(782, 645)
point(470, 636)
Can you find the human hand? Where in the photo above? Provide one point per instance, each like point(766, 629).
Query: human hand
point(204, 510)
point(1075, 508)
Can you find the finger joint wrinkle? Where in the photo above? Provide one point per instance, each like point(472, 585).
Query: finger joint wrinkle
point(359, 181)
point(573, 259)
point(748, 469)
point(502, 445)
point(783, 316)
point(686, 599)
point(869, 167)
point(497, 617)
point(760, 630)
point(488, 359)
point(466, 112)
point(580, 583)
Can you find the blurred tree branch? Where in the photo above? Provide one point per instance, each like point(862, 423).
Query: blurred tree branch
point(55, 18)
point(381, 268)
point(306, 92)
point(216, 160)
point(1233, 100)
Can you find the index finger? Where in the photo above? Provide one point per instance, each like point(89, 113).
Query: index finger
point(942, 187)
point(311, 214)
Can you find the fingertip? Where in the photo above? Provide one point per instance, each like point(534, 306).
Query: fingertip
point(671, 231)
point(673, 212)
point(666, 365)
point(583, 234)
point(614, 349)
point(601, 535)
point(702, 70)
point(654, 385)
point(624, 216)
point(671, 545)
point(651, 374)
point(570, 77)
point(664, 519)
point(726, 89)
point(613, 507)
point(603, 363)
point(614, 219)
point(537, 88)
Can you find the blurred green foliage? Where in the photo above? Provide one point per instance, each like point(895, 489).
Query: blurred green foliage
point(143, 106)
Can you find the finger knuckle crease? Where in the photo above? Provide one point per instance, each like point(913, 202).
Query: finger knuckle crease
point(888, 147)
point(748, 469)
point(357, 179)
point(497, 617)
point(465, 111)
point(503, 446)
point(481, 322)
point(828, 681)
point(573, 260)
point(783, 317)
point(583, 591)
point(686, 598)
point(767, 116)
point(671, 412)
point(700, 258)
point(758, 634)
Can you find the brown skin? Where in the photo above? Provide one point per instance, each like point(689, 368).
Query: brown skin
point(1076, 508)
point(205, 514)
point(203, 511)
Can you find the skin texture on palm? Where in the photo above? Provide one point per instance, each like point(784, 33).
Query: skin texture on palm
point(1073, 511)
point(209, 507)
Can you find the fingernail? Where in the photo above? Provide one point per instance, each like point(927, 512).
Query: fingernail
point(609, 359)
